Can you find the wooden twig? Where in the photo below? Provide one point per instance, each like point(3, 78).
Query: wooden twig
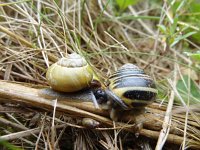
point(23, 139)
point(14, 125)
point(30, 97)
point(25, 133)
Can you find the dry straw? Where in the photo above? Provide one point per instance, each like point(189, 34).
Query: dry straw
point(35, 34)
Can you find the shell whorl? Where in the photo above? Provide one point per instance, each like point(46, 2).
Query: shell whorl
point(69, 74)
point(127, 72)
point(133, 86)
point(72, 60)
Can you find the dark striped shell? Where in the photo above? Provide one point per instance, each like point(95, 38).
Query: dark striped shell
point(133, 86)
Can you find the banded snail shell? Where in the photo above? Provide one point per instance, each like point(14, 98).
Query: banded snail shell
point(132, 86)
point(69, 74)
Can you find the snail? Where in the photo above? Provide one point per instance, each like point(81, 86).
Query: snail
point(69, 74)
point(90, 123)
point(129, 88)
point(70, 77)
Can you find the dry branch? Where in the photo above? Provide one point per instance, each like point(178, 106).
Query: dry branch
point(31, 97)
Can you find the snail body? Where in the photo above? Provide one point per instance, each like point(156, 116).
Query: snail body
point(69, 74)
point(130, 89)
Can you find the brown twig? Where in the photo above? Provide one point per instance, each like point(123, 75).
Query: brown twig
point(31, 97)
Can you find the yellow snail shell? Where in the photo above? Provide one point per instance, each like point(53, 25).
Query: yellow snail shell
point(69, 74)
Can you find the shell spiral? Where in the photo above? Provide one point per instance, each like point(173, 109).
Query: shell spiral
point(69, 74)
point(133, 86)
